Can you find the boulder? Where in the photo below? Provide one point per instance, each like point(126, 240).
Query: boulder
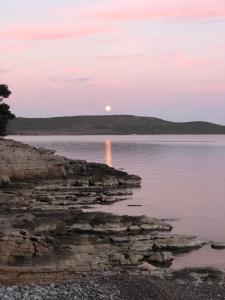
point(163, 258)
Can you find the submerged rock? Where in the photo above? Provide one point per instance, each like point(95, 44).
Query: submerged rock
point(218, 245)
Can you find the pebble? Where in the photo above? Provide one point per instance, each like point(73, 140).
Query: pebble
point(115, 288)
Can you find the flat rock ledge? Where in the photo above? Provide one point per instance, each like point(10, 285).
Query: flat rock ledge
point(46, 235)
point(22, 162)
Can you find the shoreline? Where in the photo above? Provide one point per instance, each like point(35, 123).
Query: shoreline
point(110, 134)
point(184, 285)
point(44, 230)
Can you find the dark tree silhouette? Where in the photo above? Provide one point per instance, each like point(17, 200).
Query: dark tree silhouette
point(5, 113)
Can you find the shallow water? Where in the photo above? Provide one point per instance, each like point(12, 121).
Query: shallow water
point(183, 178)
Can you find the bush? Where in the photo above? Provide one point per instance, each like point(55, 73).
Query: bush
point(5, 113)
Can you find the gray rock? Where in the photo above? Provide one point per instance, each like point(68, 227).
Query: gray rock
point(20, 162)
point(161, 258)
point(4, 180)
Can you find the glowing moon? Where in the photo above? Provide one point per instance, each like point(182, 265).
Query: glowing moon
point(108, 108)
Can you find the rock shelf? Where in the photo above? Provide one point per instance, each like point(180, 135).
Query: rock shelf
point(45, 235)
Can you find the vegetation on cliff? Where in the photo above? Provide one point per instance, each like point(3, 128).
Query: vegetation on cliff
point(5, 113)
point(111, 124)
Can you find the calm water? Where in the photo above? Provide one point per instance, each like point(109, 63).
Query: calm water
point(183, 178)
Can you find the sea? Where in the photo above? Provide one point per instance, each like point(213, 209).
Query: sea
point(183, 180)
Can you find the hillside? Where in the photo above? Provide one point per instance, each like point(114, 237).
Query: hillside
point(111, 124)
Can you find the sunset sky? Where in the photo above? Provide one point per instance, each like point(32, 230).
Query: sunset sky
point(148, 57)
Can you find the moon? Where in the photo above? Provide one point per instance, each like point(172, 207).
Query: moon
point(108, 108)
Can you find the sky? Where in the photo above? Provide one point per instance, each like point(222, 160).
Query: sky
point(148, 57)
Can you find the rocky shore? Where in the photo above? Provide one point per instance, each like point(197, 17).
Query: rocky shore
point(47, 235)
point(187, 284)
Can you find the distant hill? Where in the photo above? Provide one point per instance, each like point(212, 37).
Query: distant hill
point(110, 124)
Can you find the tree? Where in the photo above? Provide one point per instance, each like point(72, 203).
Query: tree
point(5, 113)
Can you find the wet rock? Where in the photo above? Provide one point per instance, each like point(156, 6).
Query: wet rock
point(218, 246)
point(177, 243)
point(163, 258)
point(118, 193)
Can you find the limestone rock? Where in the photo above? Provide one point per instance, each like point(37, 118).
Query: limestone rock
point(4, 180)
point(163, 258)
point(20, 162)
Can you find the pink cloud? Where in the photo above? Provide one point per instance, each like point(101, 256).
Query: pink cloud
point(73, 70)
point(4, 71)
point(121, 57)
point(70, 80)
point(162, 9)
point(10, 48)
point(186, 61)
point(204, 88)
point(50, 32)
point(214, 88)
point(220, 47)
